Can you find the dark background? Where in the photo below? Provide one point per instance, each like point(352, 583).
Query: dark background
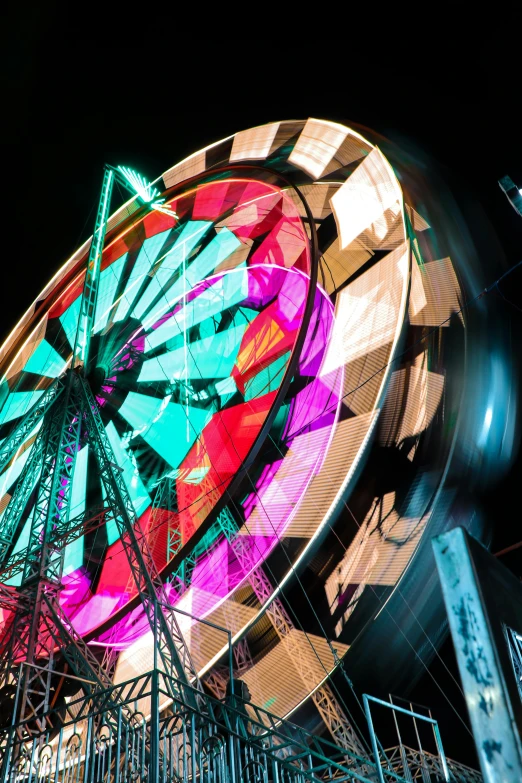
point(147, 85)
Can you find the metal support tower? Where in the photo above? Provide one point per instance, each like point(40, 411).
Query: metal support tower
point(66, 418)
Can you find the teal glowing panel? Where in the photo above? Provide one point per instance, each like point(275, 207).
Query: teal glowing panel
point(69, 320)
point(210, 257)
point(191, 235)
point(139, 409)
point(226, 292)
point(144, 263)
point(73, 556)
point(213, 357)
point(107, 288)
point(111, 528)
point(18, 403)
point(46, 361)
point(138, 494)
point(10, 475)
point(14, 469)
point(167, 432)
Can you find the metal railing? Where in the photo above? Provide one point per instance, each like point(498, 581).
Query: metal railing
point(231, 743)
point(420, 765)
point(169, 741)
point(415, 764)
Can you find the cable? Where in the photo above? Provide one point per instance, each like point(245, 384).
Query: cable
point(412, 647)
point(508, 300)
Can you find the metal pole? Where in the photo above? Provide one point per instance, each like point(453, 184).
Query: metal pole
point(373, 738)
point(154, 727)
point(89, 299)
point(442, 755)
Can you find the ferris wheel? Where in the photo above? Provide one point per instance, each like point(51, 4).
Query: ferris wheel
point(242, 360)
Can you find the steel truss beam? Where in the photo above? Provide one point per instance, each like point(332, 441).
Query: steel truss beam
point(62, 535)
point(228, 745)
point(39, 624)
point(81, 351)
point(28, 423)
point(327, 705)
point(171, 647)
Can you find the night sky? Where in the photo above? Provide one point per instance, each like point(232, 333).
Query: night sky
point(146, 89)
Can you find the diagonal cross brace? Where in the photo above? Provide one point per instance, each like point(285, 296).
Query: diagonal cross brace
point(171, 646)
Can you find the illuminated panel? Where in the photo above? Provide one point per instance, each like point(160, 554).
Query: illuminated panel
point(129, 472)
point(191, 235)
point(276, 683)
point(317, 198)
point(224, 444)
point(363, 378)
point(339, 265)
point(212, 200)
point(277, 502)
point(316, 146)
point(17, 404)
point(10, 475)
point(255, 143)
point(253, 215)
point(168, 422)
point(45, 361)
point(108, 286)
point(207, 260)
point(283, 246)
point(385, 233)
point(195, 164)
point(352, 149)
point(4, 501)
point(237, 257)
point(413, 397)
point(418, 299)
point(125, 211)
point(341, 459)
point(22, 450)
point(367, 310)
point(223, 293)
point(142, 266)
point(203, 641)
point(364, 197)
point(378, 555)
point(73, 557)
point(418, 222)
point(442, 293)
point(268, 379)
point(212, 357)
point(26, 351)
point(69, 320)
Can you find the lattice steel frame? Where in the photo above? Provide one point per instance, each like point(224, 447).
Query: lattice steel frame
point(69, 418)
